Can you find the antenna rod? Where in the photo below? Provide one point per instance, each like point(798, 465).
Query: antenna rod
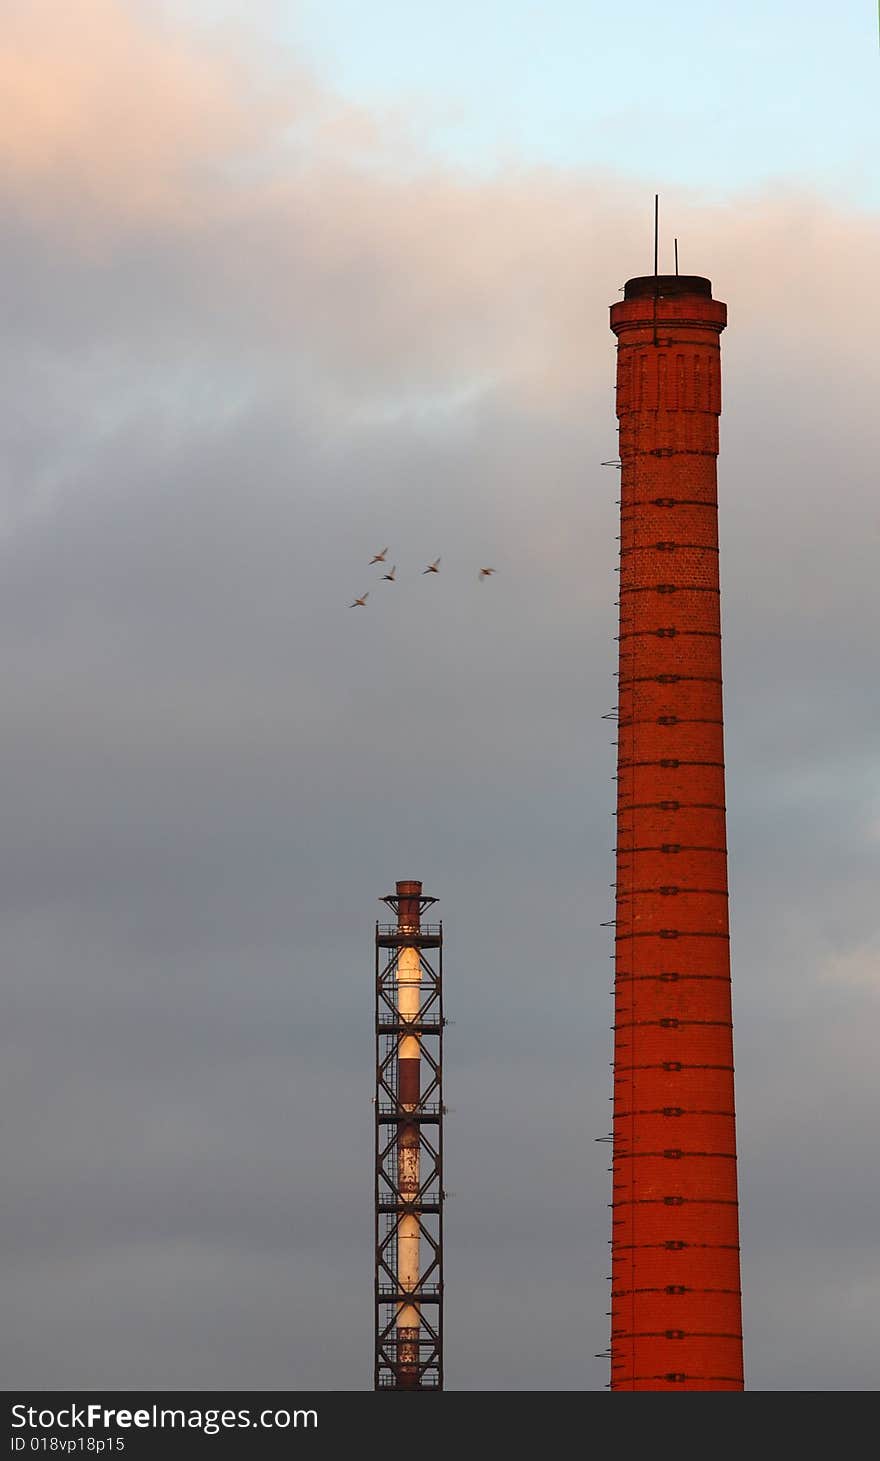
point(676, 258)
point(656, 229)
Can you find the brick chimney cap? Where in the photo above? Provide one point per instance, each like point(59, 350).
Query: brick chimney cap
point(663, 285)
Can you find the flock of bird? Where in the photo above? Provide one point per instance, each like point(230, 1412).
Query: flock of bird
point(391, 575)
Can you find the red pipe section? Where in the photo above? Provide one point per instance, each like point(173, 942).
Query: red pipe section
point(676, 1308)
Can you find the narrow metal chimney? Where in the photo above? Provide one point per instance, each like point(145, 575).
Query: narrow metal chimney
point(409, 1147)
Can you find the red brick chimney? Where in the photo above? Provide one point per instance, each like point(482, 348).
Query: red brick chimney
point(676, 1310)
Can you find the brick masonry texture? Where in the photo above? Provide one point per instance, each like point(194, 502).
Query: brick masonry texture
point(676, 1309)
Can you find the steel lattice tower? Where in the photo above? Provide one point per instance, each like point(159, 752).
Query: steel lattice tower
point(676, 1309)
point(409, 1147)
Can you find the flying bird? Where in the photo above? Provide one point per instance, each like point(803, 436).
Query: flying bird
point(484, 573)
point(432, 567)
point(360, 603)
point(379, 557)
point(390, 576)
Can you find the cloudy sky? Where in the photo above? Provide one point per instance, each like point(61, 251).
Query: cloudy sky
point(283, 283)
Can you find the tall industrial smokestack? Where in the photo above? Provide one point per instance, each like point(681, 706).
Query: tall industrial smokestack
point(409, 1147)
point(409, 978)
point(676, 1308)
